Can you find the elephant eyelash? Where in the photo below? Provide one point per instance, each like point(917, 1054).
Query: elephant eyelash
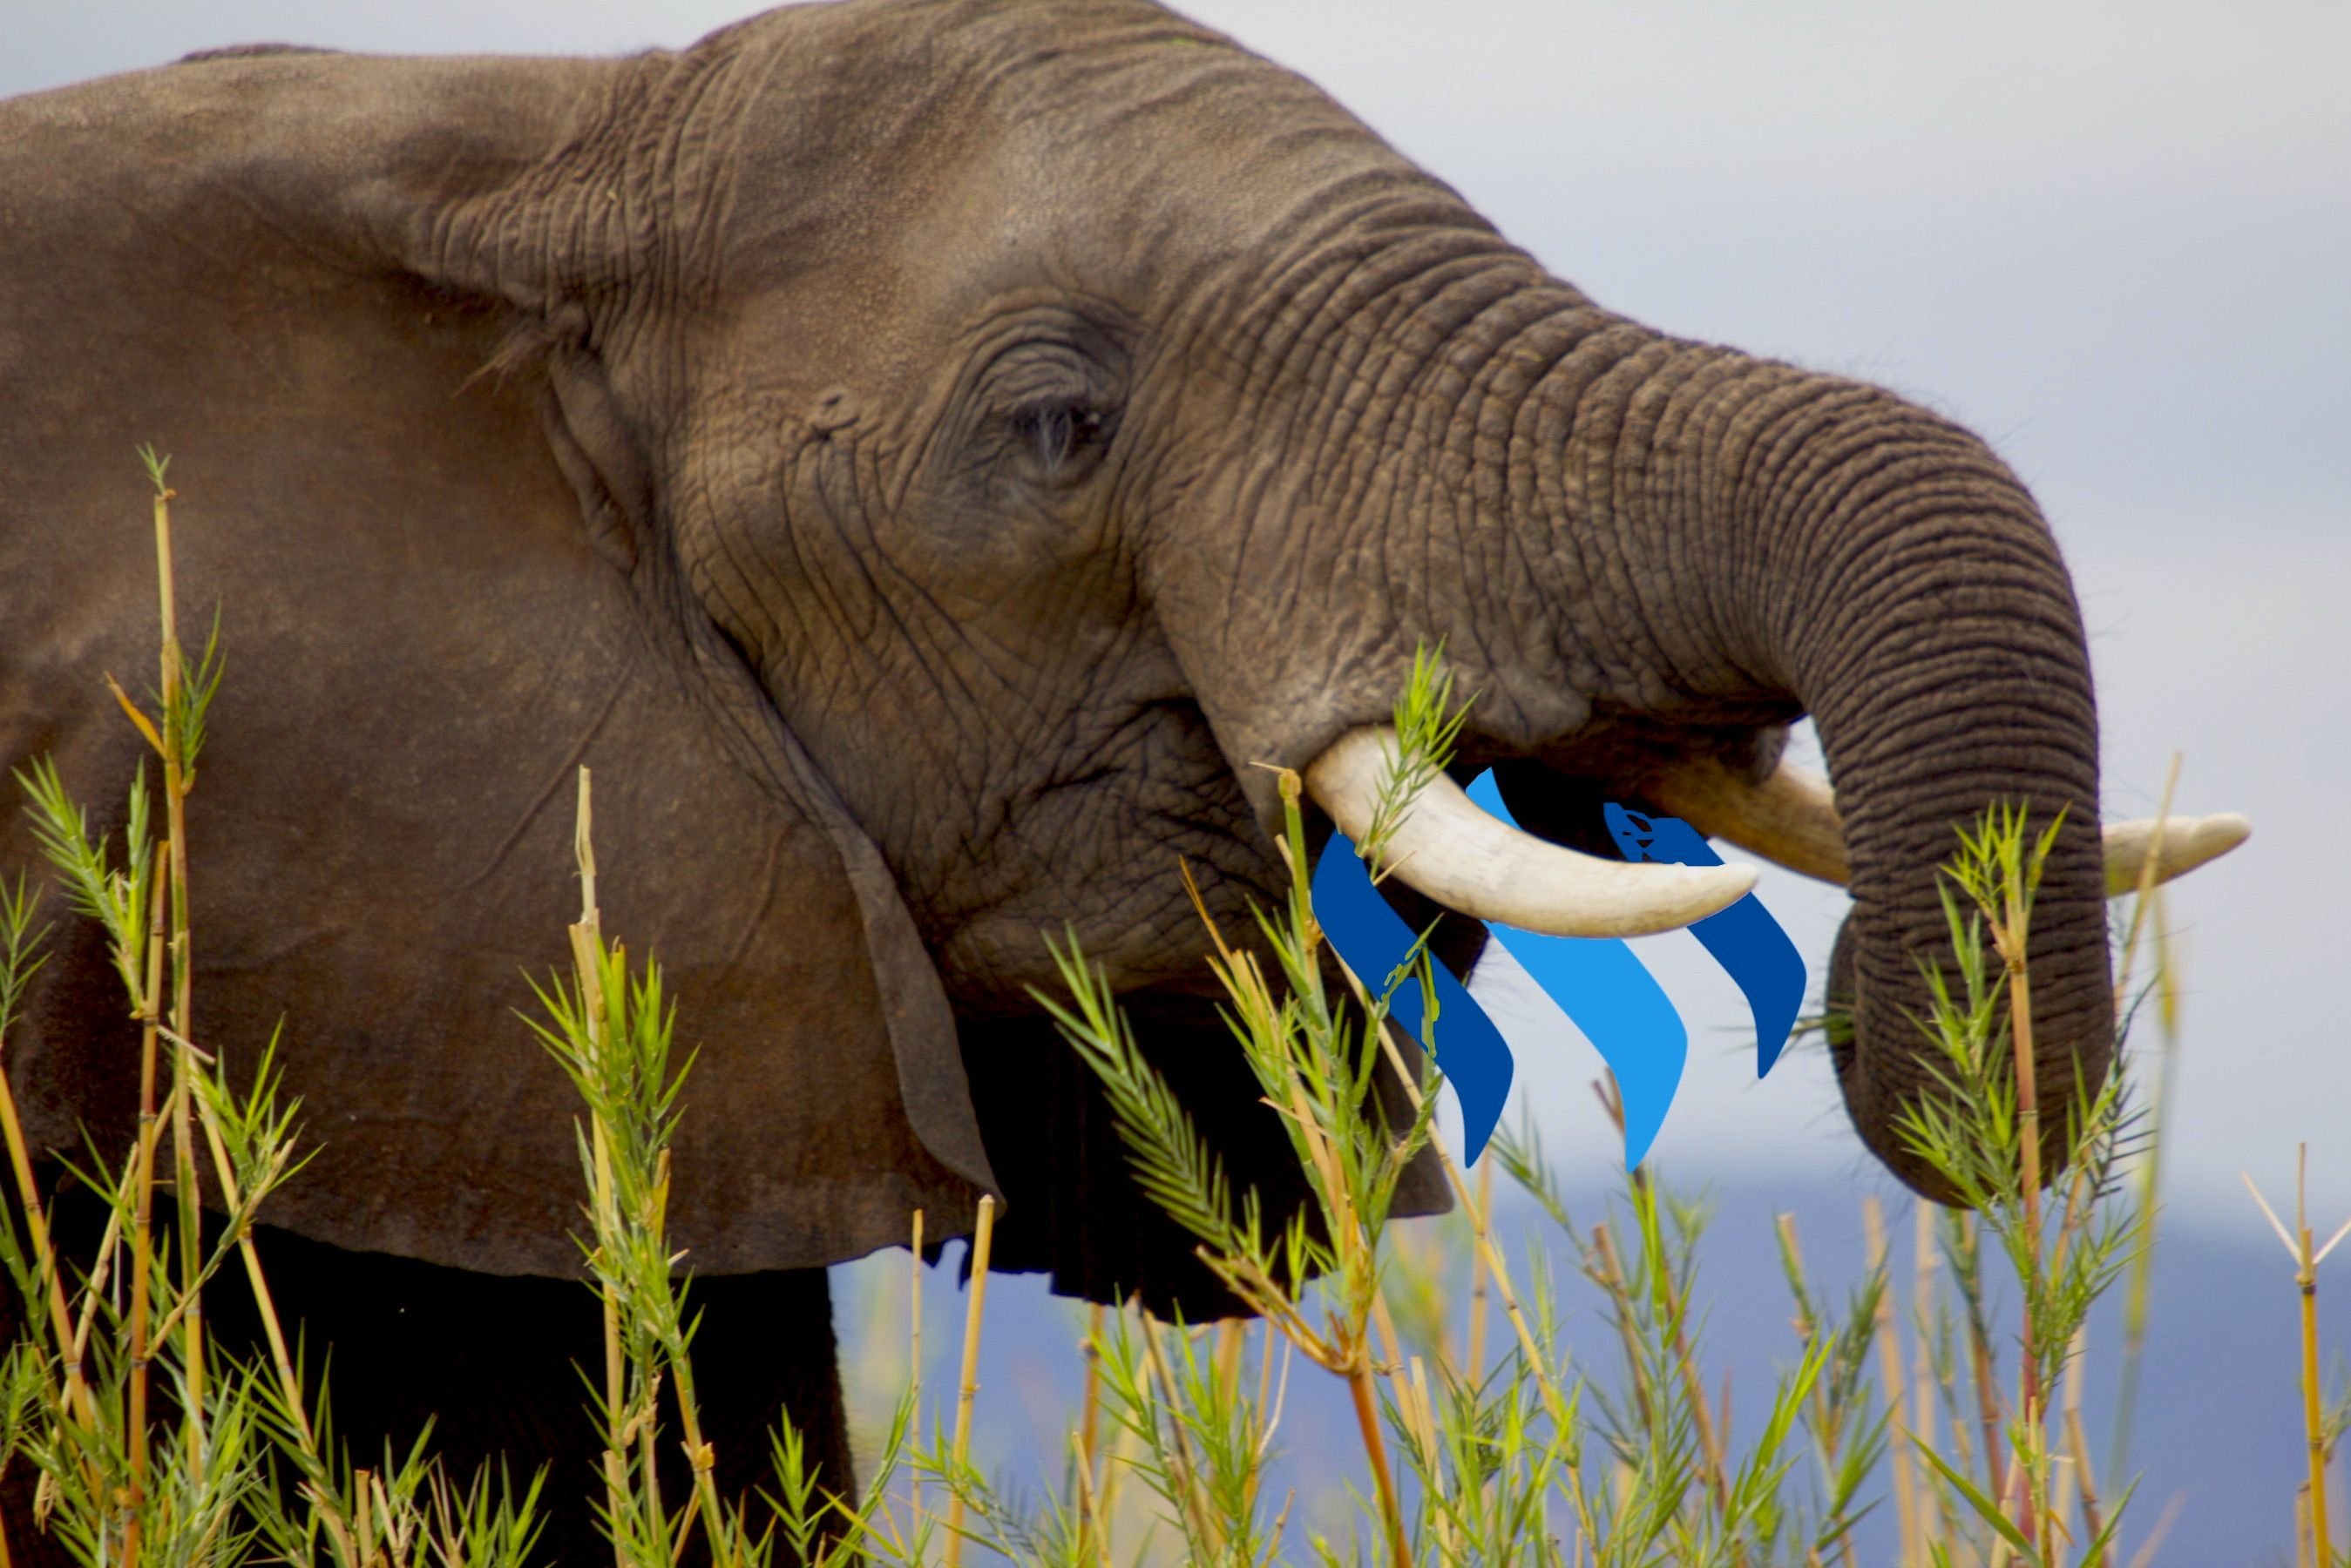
point(1056, 432)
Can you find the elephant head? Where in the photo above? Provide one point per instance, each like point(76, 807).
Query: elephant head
point(930, 456)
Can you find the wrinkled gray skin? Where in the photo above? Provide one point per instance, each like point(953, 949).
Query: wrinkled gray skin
point(923, 453)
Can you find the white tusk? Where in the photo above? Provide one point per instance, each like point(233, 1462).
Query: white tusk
point(1791, 819)
point(1468, 861)
point(2187, 843)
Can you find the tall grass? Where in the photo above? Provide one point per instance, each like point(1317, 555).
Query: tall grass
point(1475, 1441)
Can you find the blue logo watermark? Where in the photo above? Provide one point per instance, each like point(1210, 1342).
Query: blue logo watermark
point(1598, 981)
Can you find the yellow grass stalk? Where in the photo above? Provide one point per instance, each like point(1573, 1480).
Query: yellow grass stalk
point(1554, 1403)
point(914, 1367)
point(2078, 1443)
point(2306, 1259)
point(1889, 1359)
point(982, 1242)
point(177, 782)
point(1609, 1274)
point(1232, 1334)
point(69, 1340)
point(587, 945)
point(2322, 1540)
point(143, 1217)
point(1422, 1413)
point(1092, 1538)
point(1709, 1439)
point(1477, 1360)
point(1187, 1477)
point(1090, 1419)
point(1368, 1421)
point(2139, 1292)
point(587, 935)
point(1922, 1298)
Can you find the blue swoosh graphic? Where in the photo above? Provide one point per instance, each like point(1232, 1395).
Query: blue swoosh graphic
point(1608, 993)
point(1375, 942)
point(1597, 981)
point(1744, 938)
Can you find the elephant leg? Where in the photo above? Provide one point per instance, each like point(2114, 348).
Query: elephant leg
point(500, 1366)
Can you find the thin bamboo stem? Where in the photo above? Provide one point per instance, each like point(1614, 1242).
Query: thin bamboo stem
point(176, 784)
point(1367, 1421)
point(60, 1313)
point(1187, 1477)
point(915, 1366)
point(2077, 1439)
point(1476, 1357)
point(982, 1243)
point(1922, 1305)
point(1889, 1357)
point(143, 1250)
point(2306, 1279)
point(587, 942)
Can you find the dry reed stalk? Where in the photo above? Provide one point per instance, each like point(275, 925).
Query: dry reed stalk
point(1889, 1357)
point(1270, 1398)
point(915, 1369)
point(151, 1019)
point(2093, 1520)
point(1114, 1466)
point(1554, 1403)
point(1188, 1473)
point(1384, 1323)
point(363, 1527)
point(1091, 1534)
point(2009, 935)
point(1609, 1275)
point(1423, 1415)
point(70, 1341)
point(1922, 1297)
point(1089, 1419)
point(2145, 1556)
point(1376, 1449)
point(982, 1242)
point(1980, 1360)
point(1231, 1332)
point(2139, 1292)
point(587, 948)
point(701, 1457)
point(2306, 1259)
point(1477, 1337)
point(587, 939)
point(2011, 1499)
point(177, 782)
point(1709, 1439)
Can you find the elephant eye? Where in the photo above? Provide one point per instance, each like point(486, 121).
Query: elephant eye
point(1055, 435)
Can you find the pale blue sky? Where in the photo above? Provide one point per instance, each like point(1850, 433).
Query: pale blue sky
point(2114, 238)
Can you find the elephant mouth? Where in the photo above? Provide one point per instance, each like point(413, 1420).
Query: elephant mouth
point(1455, 854)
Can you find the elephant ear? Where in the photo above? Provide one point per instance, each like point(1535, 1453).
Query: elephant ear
point(441, 594)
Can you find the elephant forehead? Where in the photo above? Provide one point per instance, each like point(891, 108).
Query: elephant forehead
point(891, 187)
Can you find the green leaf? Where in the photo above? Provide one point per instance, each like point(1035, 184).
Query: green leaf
point(1983, 1505)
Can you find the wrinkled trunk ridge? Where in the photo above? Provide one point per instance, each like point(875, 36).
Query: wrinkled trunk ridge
point(1877, 565)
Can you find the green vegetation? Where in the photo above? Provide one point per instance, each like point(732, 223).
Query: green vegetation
point(153, 1447)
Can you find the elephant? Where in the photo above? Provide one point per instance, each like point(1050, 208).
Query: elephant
point(933, 459)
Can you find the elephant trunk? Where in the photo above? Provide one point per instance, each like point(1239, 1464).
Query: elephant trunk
point(1722, 543)
point(1914, 602)
point(1635, 548)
